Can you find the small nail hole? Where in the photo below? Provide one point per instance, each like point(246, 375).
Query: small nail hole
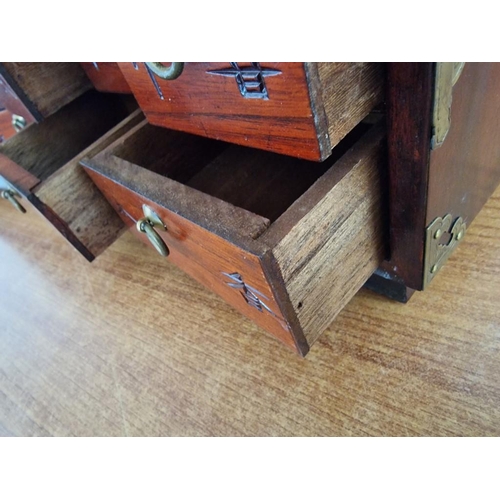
point(299, 305)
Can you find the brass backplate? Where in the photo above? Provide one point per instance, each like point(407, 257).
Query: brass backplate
point(441, 238)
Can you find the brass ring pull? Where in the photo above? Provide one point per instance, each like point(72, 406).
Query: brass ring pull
point(10, 196)
point(146, 227)
point(18, 122)
point(166, 72)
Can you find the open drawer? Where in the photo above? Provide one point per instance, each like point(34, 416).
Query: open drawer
point(292, 108)
point(288, 246)
point(39, 167)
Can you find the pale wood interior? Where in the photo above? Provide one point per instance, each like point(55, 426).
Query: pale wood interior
point(349, 92)
point(76, 200)
point(260, 182)
point(44, 148)
point(333, 239)
point(170, 153)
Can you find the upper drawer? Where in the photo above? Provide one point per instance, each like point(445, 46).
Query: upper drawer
point(106, 77)
point(40, 89)
point(285, 241)
point(40, 167)
point(297, 109)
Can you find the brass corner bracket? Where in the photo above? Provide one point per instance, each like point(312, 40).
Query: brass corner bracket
point(437, 251)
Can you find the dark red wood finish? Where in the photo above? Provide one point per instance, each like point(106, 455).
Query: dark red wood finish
point(409, 108)
point(455, 178)
point(210, 104)
point(465, 170)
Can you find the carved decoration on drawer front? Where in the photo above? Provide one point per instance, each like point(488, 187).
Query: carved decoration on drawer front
point(250, 79)
point(252, 297)
point(152, 77)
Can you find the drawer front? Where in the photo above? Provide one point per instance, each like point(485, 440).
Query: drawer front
point(6, 128)
point(297, 109)
point(106, 77)
point(232, 269)
point(292, 272)
point(12, 106)
point(41, 163)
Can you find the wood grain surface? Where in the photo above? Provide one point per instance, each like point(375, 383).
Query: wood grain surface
point(409, 107)
point(82, 211)
point(329, 253)
point(43, 148)
point(127, 348)
point(210, 104)
point(349, 92)
point(308, 109)
point(465, 170)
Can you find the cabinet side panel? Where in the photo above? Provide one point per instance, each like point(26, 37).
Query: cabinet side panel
point(465, 169)
point(409, 110)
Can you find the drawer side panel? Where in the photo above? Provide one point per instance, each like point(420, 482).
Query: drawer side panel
point(327, 256)
point(349, 92)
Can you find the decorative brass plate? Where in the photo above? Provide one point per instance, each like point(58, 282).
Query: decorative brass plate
point(447, 74)
point(437, 252)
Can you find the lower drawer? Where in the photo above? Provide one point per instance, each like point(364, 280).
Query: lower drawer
point(287, 246)
point(39, 167)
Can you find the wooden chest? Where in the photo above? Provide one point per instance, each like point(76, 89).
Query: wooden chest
point(283, 237)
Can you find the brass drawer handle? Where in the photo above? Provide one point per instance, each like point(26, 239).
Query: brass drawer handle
point(18, 122)
point(166, 72)
point(147, 226)
point(10, 196)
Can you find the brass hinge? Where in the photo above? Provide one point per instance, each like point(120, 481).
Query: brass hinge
point(441, 238)
point(447, 74)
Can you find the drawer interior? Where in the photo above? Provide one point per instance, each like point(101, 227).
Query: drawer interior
point(43, 148)
point(263, 183)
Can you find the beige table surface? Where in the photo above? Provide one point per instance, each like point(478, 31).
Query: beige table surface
point(130, 345)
